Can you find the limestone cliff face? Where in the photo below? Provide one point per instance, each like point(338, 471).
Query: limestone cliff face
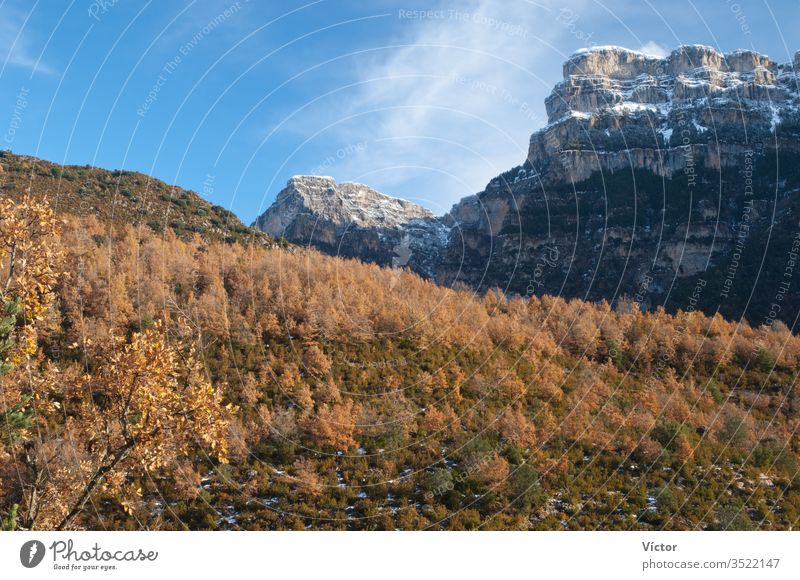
point(353, 220)
point(614, 101)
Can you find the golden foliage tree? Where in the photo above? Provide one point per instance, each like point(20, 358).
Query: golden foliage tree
point(138, 405)
point(145, 404)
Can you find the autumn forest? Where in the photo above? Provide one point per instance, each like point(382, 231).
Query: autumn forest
point(164, 378)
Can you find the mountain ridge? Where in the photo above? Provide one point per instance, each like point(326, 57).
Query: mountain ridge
point(639, 183)
point(353, 220)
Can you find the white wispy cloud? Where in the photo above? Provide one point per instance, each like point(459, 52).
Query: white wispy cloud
point(16, 45)
point(654, 49)
point(449, 103)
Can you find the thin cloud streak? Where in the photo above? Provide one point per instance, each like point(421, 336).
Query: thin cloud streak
point(16, 46)
point(450, 104)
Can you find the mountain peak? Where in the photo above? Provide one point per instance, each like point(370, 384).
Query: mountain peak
point(353, 220)
point(343, 204)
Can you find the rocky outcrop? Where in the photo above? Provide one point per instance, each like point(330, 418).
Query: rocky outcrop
point(613, 100)
point(353, 220)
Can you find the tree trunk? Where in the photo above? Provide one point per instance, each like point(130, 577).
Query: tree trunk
point(98, 476)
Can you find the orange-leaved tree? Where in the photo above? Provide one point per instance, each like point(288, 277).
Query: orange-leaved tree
point(28, 273)
point(29, 259)
point(71, 432)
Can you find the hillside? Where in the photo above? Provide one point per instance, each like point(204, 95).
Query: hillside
point(369, 398)
point(122, 198)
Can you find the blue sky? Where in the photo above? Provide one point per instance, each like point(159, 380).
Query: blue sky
point(232, 98)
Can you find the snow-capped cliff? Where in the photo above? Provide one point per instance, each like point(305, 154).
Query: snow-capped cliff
point(353, 220)
point(613, 101)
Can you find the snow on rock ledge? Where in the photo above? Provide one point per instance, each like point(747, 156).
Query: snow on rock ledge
point(354, 220)
point(613, 99)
